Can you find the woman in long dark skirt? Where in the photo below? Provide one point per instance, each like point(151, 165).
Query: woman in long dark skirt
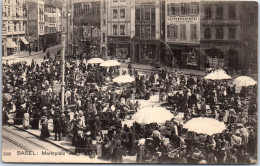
point(117, 154)
point(35, 121)
point(5, 118)
point(45, 131)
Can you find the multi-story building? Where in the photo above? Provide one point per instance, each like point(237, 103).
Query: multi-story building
point(36, 24)
point(13, 26)
point(182, 32)
point(146, 31)
point(220, 44)
point(249, 38)
point(118, 28)
point(87, 24)
point(52, 17)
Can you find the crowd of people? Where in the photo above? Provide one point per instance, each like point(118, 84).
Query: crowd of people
point(96, 107)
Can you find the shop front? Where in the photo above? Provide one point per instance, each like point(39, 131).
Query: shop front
point(146, 52)
point(220, 55)
point(24, 44)
point(119, 48)
point(52, 38)
point(11, 46)
point(185, 56)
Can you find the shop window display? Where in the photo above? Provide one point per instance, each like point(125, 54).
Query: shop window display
point(147, 54)
point(122, 53)
point(192, 58)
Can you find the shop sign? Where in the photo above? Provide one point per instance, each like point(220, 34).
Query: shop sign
point(220, 21)
point(179, 19)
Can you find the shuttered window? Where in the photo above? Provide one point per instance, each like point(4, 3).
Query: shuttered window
point(172, 31)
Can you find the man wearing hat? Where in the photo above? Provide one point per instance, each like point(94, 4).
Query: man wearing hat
point(57, 127)
point(74, 128)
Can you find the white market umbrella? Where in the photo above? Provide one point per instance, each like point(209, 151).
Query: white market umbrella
point(244, 81)
point(124, 79)
point(217, 75)
point(207, 126)
point(110, 63)
point(95, 60)
point(149, 115)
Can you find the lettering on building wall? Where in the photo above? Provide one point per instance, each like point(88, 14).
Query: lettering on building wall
point(220, 21)
point(182, 19)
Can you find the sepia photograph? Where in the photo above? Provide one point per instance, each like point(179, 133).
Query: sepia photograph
point(130, 81)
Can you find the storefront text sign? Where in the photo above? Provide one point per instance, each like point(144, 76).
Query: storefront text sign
point(179, 19)
point(220, 21)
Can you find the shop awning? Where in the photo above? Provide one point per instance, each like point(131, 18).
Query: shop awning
point(24, 40)
point(10, 43)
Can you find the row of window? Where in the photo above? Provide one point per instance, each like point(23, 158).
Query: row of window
point(50, 10)
point(174, 9)
point(6, 12)
point(219, 12)
point(145, 31)
point(17, 26)
point(122, 30)
point(119, 0)
point(41, 18)
point(115, 13)
point(172, 31)
point(50, 19)
point(41, 29)
point(146, 13)
point(50, 29)
point(17, 2)
point(219, 33)
point(89, 8)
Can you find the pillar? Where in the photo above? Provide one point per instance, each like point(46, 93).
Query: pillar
point(157, 19)
point(132, 19)
point(132, 31)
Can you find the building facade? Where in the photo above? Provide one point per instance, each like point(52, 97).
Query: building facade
point(220, 44)
point(52, 30)
point(182, 33)
point(147, 28)
point(87, 26)
point(36, 24)
point(118, 29)
point(14, 26)
point(249, 38)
